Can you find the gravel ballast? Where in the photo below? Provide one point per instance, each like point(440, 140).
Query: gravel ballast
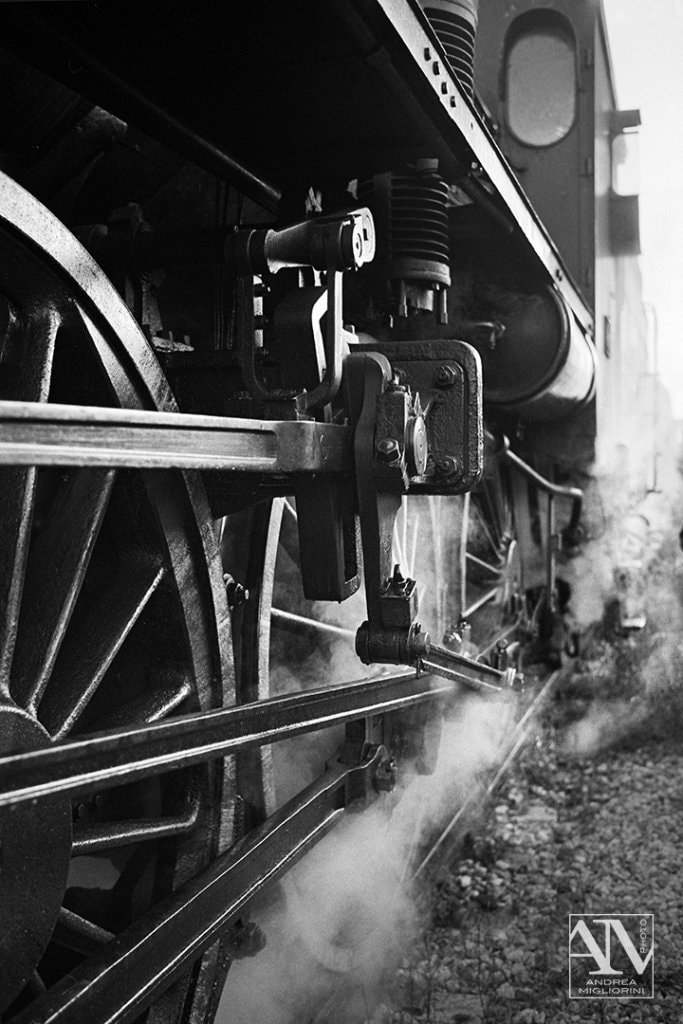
point(566, 834)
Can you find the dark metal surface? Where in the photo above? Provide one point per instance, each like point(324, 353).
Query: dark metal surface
point(451, 665)
point(144, 960)
point(136, 105)
point(286, 95)
point(112, 610)
point(409, 37)
point(36, 848)
point(110, 759)
point(541, 367)
point(573, 494)
point(447, 376)
point(377, 58)
point(64, 435)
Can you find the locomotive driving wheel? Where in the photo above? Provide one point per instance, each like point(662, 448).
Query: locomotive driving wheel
point(491, 586)
point(321, 923)
point(112, 612)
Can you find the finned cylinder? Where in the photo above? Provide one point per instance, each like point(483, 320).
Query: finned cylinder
point(410, 210)
point(455, 25)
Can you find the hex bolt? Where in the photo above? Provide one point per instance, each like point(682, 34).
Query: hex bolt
point(235, 592)
point(385, 776)
point(447, 465)
point(446, 376)
point(387, 450)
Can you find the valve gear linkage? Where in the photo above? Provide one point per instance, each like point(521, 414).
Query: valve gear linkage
point(392, 635)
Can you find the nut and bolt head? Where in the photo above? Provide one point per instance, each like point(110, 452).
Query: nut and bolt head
point(447, 465)
point(385, 776)
point(387, 450)
point(446, 376)
point(235, 592)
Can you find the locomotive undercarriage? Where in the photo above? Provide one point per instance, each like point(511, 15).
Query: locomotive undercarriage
point(148, 553)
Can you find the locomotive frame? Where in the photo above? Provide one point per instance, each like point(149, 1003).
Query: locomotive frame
point(148, 480)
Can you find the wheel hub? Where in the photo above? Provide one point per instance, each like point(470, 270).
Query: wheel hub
point(35, 850)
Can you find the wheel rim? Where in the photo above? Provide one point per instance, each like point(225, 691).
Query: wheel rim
point(112, 611)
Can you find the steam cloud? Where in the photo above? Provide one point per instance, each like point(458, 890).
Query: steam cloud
point(338, 924)
point(347, 909)
point(632, 565)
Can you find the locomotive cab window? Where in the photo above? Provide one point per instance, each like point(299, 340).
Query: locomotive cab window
point(540, 79)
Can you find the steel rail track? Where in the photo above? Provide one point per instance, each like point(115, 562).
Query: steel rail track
point(482, 792)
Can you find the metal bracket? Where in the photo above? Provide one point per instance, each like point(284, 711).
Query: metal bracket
point(446, 376)
point(330, 244)
point(391, 634)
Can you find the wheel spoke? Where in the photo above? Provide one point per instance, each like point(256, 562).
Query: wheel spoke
point(92, 838)
point(17, 490)
point(152, 706)
point(289, 510)
point(288, 620)
point(17, 487)
point(483, 599)
point(485, 528)
point(97, 631)
point(495, 506)
point(56, 568)
point(35, 985)
point(81, 646)
point(495, 569)
point(38, 349)
point(75, 932)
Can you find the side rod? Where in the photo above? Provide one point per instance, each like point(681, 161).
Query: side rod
point(35, 433)
point(123, 979)
point(122, 755)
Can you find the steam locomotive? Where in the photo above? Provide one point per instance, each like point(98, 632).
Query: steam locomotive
point(302, 311)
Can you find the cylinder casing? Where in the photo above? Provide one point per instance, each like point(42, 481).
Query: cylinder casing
point(544, 365)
